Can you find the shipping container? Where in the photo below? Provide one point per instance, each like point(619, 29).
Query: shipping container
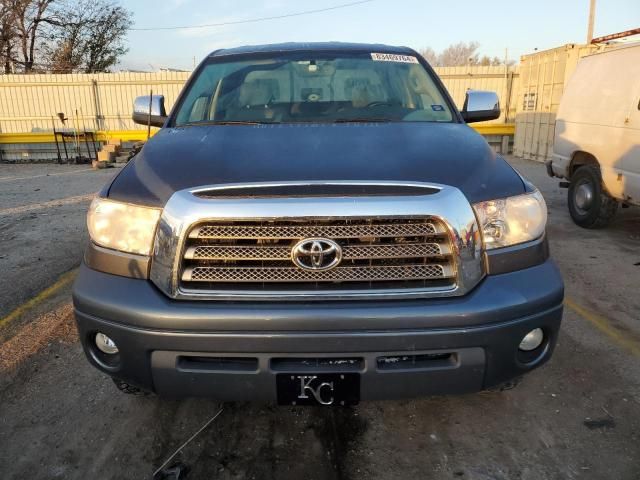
point(543, 77)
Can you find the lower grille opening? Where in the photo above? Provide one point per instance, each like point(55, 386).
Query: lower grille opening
point(217, 364)
point(317, 364)
point(417, 362)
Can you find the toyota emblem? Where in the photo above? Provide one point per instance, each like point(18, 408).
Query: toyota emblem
point(316, 254)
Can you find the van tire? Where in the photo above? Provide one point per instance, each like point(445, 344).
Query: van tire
point(602, 207)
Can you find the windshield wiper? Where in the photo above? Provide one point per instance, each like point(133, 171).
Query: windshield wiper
point(363, 120)
point(227, 122)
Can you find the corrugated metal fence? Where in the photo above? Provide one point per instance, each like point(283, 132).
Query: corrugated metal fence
point(30, 103)
point(502, 80)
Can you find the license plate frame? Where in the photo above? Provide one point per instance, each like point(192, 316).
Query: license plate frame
point(320, 389)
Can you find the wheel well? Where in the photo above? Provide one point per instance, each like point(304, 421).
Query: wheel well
point(579, 159)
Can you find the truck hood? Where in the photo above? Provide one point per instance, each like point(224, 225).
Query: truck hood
point(185, 157)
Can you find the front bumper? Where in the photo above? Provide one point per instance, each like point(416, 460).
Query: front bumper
point(549, 166)
point(558, 166)
point(401, 348)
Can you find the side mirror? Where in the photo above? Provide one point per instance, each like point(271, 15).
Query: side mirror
point(149, 110)
point(480, 106)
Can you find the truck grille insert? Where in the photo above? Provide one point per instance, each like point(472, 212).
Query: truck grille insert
point(376, 254)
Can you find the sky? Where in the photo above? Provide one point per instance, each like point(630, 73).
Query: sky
point(515, 25)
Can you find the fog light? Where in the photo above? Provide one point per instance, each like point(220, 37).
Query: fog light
point(105, 344)
point(532, 340)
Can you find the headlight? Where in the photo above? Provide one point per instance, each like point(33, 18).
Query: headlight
point(121, 226)
point(512, 220)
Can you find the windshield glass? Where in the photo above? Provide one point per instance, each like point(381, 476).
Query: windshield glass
point(313, 87)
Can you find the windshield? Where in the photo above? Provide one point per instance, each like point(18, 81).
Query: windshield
point(313, 87)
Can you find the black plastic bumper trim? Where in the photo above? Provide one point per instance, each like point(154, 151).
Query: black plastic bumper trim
point(116, 263)
point(517, 257)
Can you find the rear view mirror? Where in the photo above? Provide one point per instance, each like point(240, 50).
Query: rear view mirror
point(149, 110)
point(480, 106)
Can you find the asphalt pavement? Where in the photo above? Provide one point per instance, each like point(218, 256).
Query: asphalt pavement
point(578, 417)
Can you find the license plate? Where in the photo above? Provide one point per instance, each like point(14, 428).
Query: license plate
point(318, 389)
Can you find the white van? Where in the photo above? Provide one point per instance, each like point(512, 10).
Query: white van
point(597, 136)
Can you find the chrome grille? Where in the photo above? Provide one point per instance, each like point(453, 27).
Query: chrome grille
point(349, 252)
point(376, 254)
point(263, 232)
point(293, 274)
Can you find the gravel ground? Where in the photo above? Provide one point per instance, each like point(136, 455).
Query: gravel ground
point(576, 418)
point(42, 224)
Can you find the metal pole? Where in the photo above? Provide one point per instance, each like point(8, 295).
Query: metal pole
point(615, 36)
point(64, 144)
point(77, 137)
point(85, 136)
point(506, 82)
point(55, 137)
point(592, 17)
point(149, 117)
point(96, 104)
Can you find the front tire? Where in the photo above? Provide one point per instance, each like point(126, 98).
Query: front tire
point(590, 206)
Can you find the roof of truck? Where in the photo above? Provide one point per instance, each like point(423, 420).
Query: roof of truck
point(317, 46)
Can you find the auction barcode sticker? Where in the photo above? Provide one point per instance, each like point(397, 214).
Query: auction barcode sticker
point(393, 57)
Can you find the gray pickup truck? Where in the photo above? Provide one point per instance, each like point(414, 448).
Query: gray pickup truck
point(316, 224)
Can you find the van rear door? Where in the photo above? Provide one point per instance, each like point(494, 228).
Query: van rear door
point(631, 154)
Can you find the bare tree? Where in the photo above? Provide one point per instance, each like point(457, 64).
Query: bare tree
point(29, 17)
point(487, 61)
point(106, 39)
point(459, 54)
point(429, 55)
point(91, 38)
point(67, 46)
point(7, 35)
point(62, 35)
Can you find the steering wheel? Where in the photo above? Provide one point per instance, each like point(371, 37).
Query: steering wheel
point(380, 103)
